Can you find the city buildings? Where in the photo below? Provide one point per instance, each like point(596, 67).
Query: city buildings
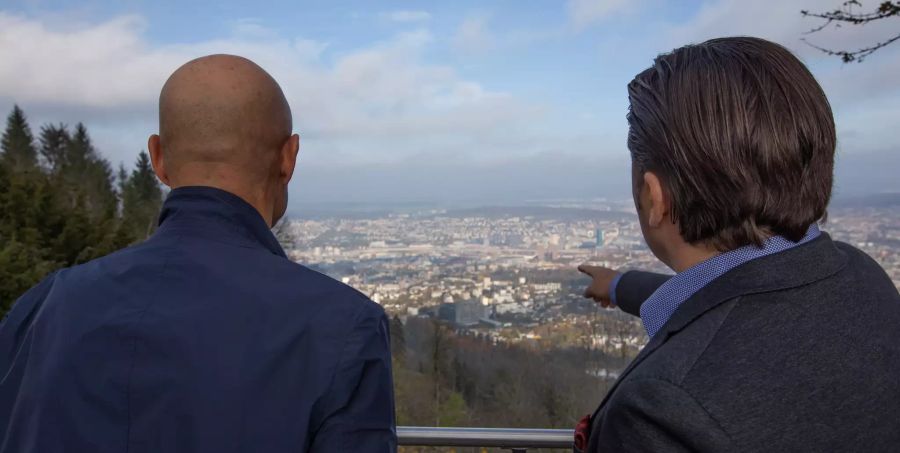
point(517, 268)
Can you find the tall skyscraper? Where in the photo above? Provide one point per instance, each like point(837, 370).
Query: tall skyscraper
point(598, 236)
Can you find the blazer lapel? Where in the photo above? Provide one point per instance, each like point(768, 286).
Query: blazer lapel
point(651, 346)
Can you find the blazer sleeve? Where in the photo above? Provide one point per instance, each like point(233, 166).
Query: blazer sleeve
point(360, 414)
point(634, 287)
point(650, 415)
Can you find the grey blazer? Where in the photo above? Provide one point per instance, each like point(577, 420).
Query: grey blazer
point(797, 351)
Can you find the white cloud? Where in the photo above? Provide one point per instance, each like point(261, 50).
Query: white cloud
point(100, 66)
point(377, 103)
point(406, 16)
point(474, 35)
point(385, 102)
point(309, 48)
point(583, 13)
point(251, 28)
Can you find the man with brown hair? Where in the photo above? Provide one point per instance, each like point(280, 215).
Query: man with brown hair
point(771, 336)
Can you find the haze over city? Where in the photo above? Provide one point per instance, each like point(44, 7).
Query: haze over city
point(431, 102)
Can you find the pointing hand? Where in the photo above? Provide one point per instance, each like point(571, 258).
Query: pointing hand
point(599, 289)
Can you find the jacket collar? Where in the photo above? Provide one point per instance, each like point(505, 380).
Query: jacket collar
point(214, 211)
point(664, 302)
point(798, 266)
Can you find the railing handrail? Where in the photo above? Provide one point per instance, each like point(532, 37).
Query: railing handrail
point(423, 436)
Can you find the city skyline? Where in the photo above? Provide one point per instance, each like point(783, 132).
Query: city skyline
point(518, 264)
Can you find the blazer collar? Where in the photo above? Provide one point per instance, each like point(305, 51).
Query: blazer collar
point(214, 211)
point(797, 266)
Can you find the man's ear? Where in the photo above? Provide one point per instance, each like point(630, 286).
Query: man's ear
point(289, 158)
point(655, 199)
point(156, 159)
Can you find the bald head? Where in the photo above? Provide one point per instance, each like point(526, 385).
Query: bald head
point(224, 122)
point(222, 109)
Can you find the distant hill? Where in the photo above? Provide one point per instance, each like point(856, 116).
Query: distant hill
point(540, 212)
point(347, 214)
point(881, 200)
point(356, 211)
point(352, 210)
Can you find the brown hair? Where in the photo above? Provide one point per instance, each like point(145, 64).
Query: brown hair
point(742, 137)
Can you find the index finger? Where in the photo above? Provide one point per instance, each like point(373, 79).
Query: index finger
point(586, 269)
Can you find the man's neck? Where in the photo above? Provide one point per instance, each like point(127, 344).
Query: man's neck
point(686, 256)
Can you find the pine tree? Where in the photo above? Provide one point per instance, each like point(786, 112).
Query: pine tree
point(54, 141)
point(79, 151)
point(141, 199)
point(17, 143)
point(28, 212)
point(121, 182)
point(21, 267)
point(78, 234)
point(85, 172)
point(63, 214)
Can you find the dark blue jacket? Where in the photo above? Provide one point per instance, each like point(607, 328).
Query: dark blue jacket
point(204, 338)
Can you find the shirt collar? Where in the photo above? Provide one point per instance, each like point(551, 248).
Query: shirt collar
point(660, 306)
point(202, 207)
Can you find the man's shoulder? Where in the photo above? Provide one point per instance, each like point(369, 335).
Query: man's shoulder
point(108, 267)
point(673, 360)
point(858, 299)
point(282, 285)
point(307, 280)
point(863, 267)
point(861, 285)
point(232, 273)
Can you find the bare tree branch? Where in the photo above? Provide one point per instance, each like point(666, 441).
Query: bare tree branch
point(846, 15)
point(855, 55)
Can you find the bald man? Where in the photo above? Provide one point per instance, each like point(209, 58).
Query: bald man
point(204, 338)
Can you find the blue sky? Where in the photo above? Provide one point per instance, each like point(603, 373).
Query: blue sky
point(430, 101)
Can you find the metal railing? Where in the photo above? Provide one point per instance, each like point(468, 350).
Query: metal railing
point(517, 440)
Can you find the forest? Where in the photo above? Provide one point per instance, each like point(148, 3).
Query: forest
point(445, 377)
point(64, 204)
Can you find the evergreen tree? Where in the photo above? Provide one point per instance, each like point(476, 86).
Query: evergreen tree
point(85, 172)
point(21, 267)
point(77, 234)
point(54, 142)
point(121, 182)
point(63, 216)
point(141, 199)
point(25, 201)
point(17, 143)
point(24, 191)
